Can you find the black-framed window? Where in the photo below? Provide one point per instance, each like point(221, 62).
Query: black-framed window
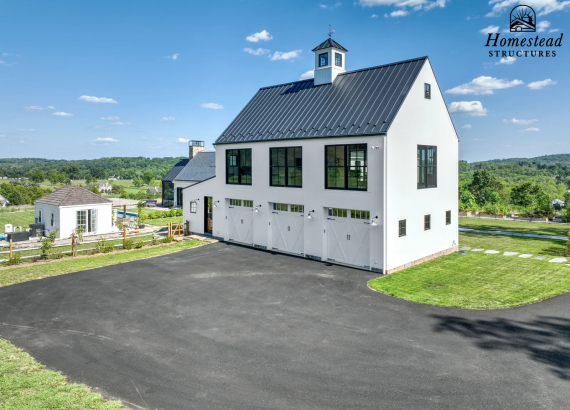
point(323, 59)
point(346, 167)
point(427, 166)
point(179, 196)
point(427, 91)
point(402, 228)
point(427, 222)
point(238, 166)
point(338, 59)
point(286, 167)
point(167, 194)
point(448, 217)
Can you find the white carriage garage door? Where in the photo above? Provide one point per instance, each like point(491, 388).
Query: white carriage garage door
point(348, 237)
point(288, 228)
point(240, 221)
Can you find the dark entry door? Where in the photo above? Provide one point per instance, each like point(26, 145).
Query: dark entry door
point(208, 215)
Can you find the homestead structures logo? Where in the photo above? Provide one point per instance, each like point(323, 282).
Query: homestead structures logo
point(523, 19)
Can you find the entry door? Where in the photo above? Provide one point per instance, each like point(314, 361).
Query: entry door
point(208, 215)
point(288, 231)
point(240, 221)
point(348, 240)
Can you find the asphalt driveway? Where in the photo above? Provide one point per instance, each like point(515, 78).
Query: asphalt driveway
point(228, 327)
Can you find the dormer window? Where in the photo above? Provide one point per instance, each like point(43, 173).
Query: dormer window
point(338, 59)
point(323, 59)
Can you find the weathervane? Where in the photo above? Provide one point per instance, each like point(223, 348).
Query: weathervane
point(331, 31)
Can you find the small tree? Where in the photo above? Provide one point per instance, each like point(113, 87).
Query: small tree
point(76, 237)
point(47, 242)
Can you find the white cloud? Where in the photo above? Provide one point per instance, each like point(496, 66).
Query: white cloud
point(99, 128)
point(520, 122)
point(374, 16)
point(50, 107)
point(398, 13)
point(554, 30)
point(212, 106)
point(307, 75)
point(330, 7)
point(2, 136)
point(490, 29)
point(121, 123)
point(104, 141)
point(414, 4)
point(539, 85)
point(23, 129)
point(173, 57)
point(167, 119)
point(110, 118)
point(257, 52)
point(507, 60)
point(34, 108)
point(483, 86)
point(477, 139)
point(542, 26)
point(289, 55)
point(182, 140)
point(62, 114)
point(467, 126)
point(261, 36)
point(541, 6)
point(97, 100)
point(532, 129)
point(21, 142)
point(472, 108)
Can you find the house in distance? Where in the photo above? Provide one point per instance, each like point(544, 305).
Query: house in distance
point(352, 167)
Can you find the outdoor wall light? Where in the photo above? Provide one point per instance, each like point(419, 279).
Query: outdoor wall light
point(375, 147)
point(309, 216)
point(196, 200)
point(374, 221)
point(215, 202)
point(257, 208)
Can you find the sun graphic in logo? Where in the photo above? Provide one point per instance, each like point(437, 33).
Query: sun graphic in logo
point(523, 19)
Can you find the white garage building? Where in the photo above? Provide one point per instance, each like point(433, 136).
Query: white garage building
point(354, 167)
point(72, 206)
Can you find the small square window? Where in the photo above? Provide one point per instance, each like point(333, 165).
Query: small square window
point(338, 59)
point(193, 207)
point(427, 222)
point(427, 91)
point(323, 59)
point(402, 228)
point(448, 217)
point(52, 219)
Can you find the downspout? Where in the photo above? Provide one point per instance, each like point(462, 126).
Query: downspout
point(385, 207)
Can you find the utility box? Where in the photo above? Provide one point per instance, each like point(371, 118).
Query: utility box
point(8, 228)
point(18, 236)
point(36, 228)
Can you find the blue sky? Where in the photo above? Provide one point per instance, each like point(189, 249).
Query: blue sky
point(83, 79)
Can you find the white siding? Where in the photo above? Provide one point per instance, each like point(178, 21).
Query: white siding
point(66, 219)
point(420, 122)
point(180, 184)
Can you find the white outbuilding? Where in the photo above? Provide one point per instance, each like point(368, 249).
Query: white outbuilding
point(353, 167)
point(72, 206)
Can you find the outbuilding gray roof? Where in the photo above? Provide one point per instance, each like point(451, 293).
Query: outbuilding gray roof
point(72, 195)
point(361, 102)
point(199, 168)
point(328, 43)
point(175, 170)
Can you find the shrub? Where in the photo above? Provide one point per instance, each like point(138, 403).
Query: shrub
point(155, 240)
point(172, 213)
point(103, 246)
point(16, 259)
point(139, 244)
point(129, 243)
point(56, 255)
point(179, 212)
point(167, 239)
point(165, 214)
point(150, 215)
point(568, 245)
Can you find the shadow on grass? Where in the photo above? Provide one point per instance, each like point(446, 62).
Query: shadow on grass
point(545, 340)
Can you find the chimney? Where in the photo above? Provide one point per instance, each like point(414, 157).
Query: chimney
point(195, 147)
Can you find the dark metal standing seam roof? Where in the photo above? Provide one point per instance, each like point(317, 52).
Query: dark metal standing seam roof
point(175, 170)
point(361, 102)
point(201, 167)
point(328, 43)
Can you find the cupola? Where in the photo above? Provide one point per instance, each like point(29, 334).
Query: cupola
point(329, 61)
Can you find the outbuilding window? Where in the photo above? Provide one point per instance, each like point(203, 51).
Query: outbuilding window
point(427, 222)
point(40, 216)
point(402, 228)
point(52, 219)
point(427, 166)
point(238, 166)
point(346, 167)
point(286, 167)
point(323, 59)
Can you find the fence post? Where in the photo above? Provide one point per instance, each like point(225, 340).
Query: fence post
point(72, 245)
point(187, 227)
point(10, 248)
point(169, 233)
point(124, 237)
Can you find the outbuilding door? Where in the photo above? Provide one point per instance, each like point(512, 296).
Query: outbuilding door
point(240, 221)
point(288, 228)
point(348, 237)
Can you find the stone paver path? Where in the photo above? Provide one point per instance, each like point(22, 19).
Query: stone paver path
point(492, 252)
point(465, 248)
point(558, 260)
point(529, 235)
point(525, 255)
point(540, 257)
point(477, 250)
point(510, 253)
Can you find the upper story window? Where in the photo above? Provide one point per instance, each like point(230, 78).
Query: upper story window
point(338, 59)
point(238, 166)
point(427, 91)
point(323, 59)
point(286, 166)
point(427, 166)
point(346, 167)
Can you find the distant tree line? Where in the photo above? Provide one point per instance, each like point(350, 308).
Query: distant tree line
point(22, 194)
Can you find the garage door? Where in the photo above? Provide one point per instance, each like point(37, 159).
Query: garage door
point(240, 221)
point(348, 237)
point(288, 228)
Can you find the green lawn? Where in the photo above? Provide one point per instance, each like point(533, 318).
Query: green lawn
point(23, 219)
point(31, 271)
point(483, 281)
point(163, 221)
point(25, 384)
point(514, 226)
